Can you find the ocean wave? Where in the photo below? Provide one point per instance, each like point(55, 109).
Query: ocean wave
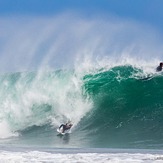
point(110, 107)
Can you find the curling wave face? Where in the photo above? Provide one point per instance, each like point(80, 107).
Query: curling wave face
point(128, 108)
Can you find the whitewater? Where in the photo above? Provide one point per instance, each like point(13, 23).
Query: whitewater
point(53, 70)
point(117, 107)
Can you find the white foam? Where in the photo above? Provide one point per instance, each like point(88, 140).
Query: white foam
point(49, 97)
point(5, 131)
point(36, 156)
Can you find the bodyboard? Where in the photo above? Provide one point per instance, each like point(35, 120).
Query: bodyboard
point(63, 133)
point(60, 132)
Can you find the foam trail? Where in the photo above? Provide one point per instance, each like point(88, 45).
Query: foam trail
point(110, 157)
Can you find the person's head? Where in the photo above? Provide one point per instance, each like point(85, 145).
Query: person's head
point(161, 64)
point(69, 123)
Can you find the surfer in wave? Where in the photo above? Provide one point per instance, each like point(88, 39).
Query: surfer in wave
point(159, 68)
point(66, 126)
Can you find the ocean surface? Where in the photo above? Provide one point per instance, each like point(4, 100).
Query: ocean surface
point(117, 114)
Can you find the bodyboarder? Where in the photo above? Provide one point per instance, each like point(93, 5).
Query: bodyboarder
point(66, 126)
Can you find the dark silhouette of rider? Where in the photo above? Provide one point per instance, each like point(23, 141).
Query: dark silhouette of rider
point(66, 126)
point(159, 68)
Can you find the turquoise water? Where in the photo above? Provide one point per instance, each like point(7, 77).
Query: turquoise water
point(120, 107)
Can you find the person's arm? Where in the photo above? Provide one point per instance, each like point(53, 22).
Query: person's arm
point(61, 126)
point(69, 126)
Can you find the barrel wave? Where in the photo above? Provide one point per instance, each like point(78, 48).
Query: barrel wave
point(117, 107)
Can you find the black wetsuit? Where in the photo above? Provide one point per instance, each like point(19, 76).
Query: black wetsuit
point(159, 68)
point(65, 127)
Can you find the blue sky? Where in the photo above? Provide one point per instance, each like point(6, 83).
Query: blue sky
point(147, 11)
point(34, 33)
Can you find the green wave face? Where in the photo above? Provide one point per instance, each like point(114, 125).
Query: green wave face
point(128, 108)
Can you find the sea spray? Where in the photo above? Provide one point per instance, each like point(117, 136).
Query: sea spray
point(39, 98)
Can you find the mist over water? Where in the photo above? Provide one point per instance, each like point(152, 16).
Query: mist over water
point(30, 99)
point(66, 40)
